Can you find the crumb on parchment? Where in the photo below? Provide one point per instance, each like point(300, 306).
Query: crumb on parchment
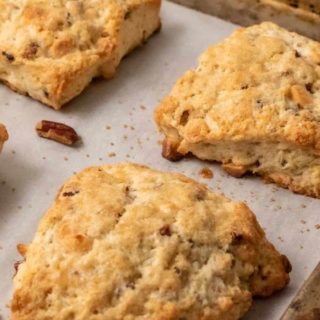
point(206, 173)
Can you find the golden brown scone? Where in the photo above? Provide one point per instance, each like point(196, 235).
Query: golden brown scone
point(51, 50)
point(301, 16)
point(128, 242)
point(3, 135)
point(253, 103)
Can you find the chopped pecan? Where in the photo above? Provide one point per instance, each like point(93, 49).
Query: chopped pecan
point(127, 14)
point(236, 238)
point(286, 264)
point(191, 242)
point(206, 173)
point(309, 87)
point(57, 131)
point(259, 103)
point(177, 270)
point(131, 285)
point(234, 170)
point(300, 95)
point(16, 266)
point(169, 151)
point(22, 249)
point(184, 117)
point(165, 230)
point(31, 50)
point(46, 93)
point(70, 193)
point(9, 56)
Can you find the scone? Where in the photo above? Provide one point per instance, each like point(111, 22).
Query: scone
point(253, 103)
point(126, 242)
point(51, 50)
point(3, 136)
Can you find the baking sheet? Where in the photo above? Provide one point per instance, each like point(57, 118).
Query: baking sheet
point(115, 121)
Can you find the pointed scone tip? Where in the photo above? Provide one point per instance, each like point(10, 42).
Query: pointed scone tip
point(125, 241)
point(252, 104)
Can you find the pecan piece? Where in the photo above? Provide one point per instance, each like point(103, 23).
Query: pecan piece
point(57, 131)
point(8, 55)
point(70, 193)
point(300, 95)
point(16, 266)
point(235, 170)
point(22, 249)
point(169, 150)
point(165, 231)
point(236, 238)
point(127, 14)
point(206, 173)
point(286, 263)
point(31, 50)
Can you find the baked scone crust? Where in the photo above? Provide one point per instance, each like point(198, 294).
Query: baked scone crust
point(259, 86)
point(128, 242)
point(51, 50)
point(3, 136)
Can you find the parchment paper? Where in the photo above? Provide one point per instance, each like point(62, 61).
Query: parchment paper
point(115, 121)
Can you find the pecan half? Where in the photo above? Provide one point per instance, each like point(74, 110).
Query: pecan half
point(57, 131)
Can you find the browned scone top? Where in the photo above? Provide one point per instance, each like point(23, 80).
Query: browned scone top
point(3, 135)
point(253, 103)
point(51, 50)
point(128, 242)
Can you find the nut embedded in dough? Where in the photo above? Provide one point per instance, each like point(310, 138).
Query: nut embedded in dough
point(169, 150)
point(51, 50)
point(3, 135)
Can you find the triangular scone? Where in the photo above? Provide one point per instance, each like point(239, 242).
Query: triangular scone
point(128, 242)
point(51, 50)
point(253, 103)
point(3, 136)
